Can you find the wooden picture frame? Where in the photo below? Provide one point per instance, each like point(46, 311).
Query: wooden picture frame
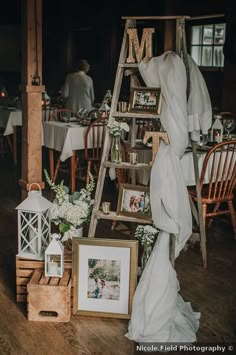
point(134, 201)
point(104, 277)
point(145, 100)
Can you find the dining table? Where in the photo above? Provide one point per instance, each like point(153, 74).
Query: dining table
point(10, 118)
point(66, 138)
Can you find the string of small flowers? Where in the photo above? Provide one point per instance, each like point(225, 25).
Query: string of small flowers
point(146, 235)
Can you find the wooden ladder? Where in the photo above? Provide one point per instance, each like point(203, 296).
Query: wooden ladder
point(114, 114)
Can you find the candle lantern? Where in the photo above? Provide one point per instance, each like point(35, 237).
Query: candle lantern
point(33, 225)
point(217, 130)
point(54, 258)
point(104, 109)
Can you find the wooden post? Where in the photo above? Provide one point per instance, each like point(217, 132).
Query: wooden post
point(170, 35)
point(31, 93)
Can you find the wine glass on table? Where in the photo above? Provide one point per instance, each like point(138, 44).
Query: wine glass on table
point(229, 123)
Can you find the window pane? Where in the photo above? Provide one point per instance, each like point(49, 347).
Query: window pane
point(196, 54)
point(219, 33)
point(208, 34)
point(207, 56)
point(218, 59)
point(196, 34)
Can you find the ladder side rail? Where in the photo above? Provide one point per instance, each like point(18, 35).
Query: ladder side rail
point(120, 69)
point(107, 143)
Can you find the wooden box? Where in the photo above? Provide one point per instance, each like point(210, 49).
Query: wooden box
point(24, 272)
point(49, 298)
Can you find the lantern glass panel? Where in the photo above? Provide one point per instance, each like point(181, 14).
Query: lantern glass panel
point(53, 265)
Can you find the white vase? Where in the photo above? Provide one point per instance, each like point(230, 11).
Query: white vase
point(78, 233)
point(72, 233)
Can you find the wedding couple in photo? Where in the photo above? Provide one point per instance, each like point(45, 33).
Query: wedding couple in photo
point(137, 203)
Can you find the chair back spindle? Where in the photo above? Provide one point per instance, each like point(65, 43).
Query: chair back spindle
point(220, 161)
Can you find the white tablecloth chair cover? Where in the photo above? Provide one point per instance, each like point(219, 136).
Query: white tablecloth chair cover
point(158, 311)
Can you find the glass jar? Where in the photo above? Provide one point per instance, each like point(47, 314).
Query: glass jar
point(145, 256)
point(116, 151)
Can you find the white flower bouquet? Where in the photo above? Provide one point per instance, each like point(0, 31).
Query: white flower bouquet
point(70, 212)
point(116, 128)
point(146, 235)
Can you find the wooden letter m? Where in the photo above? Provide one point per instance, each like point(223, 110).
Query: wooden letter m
point(138, 50)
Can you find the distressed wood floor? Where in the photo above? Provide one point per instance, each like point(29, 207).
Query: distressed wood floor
point(211, 292)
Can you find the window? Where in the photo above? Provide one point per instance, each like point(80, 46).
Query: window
point(207, 43)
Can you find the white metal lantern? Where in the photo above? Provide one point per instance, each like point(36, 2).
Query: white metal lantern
point(54, 258)
point(217, 130)
point(33, 225)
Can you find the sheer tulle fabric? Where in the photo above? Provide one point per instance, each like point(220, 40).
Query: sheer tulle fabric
point(159, 314)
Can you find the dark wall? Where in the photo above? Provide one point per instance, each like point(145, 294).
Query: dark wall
point(94, 30)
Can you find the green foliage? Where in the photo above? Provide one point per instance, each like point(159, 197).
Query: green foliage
point(64, 227)
point(92, 263)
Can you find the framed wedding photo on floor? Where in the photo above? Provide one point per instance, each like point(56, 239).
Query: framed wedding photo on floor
point(134, 201)
point(145, 100)
point(104, 277)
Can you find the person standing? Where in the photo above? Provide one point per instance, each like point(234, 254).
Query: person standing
point(78, 89)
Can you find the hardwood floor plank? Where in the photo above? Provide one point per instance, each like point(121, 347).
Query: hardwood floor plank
point(211, 292)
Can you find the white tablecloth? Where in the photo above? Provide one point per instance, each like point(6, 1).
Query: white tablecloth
point(188, 168)
point(64, 137)
point(186, 165)
point(9, 119)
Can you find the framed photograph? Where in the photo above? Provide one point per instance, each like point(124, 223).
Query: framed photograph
point(146, 100)
point(104, 276)
point(134, 201)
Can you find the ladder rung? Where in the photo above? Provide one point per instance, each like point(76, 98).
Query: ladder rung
point(155, 17)
point(125, 165)
point(128, 65)
point(135, 115)
point(114, 217)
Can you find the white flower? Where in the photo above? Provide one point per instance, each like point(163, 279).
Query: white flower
point(71, 211)
point(146, 234)
point(116, 128)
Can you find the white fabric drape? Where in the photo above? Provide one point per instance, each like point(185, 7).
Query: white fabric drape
point(159, 313)
point(199, 103)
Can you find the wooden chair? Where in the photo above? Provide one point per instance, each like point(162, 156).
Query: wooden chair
point(5, 144)
point(145, 126)
point(144, 129)
point(63, 115)
point(47, 111)
point(93, 146)
point(123, 175)
point(218, 193)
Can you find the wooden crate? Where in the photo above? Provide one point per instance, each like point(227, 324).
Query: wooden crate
point(25, 269)
point(49, 298)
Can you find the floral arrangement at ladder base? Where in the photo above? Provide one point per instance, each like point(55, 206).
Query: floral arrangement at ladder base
point(115, 129)
point(147, 236)
point(70, 211)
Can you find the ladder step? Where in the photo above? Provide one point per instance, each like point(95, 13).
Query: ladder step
point(135, 115)
point(125, 165)
point(128, 65)
point(114, 217)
